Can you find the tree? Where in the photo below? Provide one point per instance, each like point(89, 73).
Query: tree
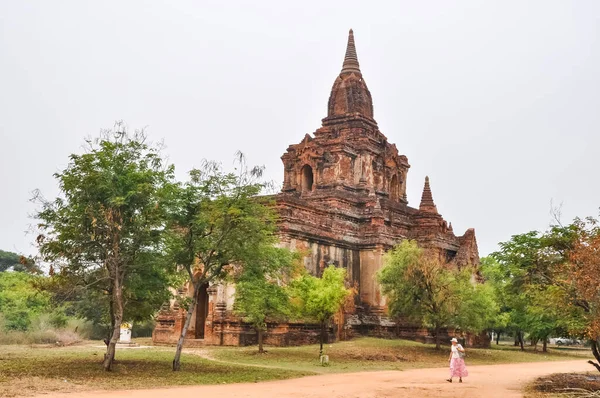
point(494, 277)
point(418, 287)
point(478, 309)
point(217, 222)
point(423, 290)
point(260, 292)
point(526, 272)
point(18, 263)
point(552, 279)
point(20, 301)
point(109, 221)
point(320, 299)
point(88, 294)
point(582, 276)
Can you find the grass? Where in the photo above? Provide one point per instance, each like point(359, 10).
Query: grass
point(34, 370)
point(566, 385)
point(29, 370)
point(377, 354)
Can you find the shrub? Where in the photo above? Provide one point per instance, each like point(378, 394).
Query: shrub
point(17, 320)
point(49, 336)
point(80, 326)
point(58, 319)
point(143, 329)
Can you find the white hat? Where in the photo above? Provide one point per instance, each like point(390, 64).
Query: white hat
point(454, 340)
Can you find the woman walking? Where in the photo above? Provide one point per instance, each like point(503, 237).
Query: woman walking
point(457, 362)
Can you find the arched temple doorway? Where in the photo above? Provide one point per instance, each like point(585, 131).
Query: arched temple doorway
point(201, 311)
point(307, 178)
point(394, 188)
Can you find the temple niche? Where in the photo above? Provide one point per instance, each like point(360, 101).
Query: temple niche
point(343, 202)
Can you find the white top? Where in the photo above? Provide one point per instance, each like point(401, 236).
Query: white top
point(454, 349)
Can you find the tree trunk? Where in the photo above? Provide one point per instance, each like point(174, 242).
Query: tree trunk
point(517, 334)
point(521, 342)
point(497, 338)
point(186, 325)
point(595, 350)
point(545, 345)
point(534, 343)
point(111, 328)
point(260, 340)
point(437, 338)
point(117, 299)
point(322, 339)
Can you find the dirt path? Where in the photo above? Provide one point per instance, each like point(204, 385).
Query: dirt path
point(504, 381)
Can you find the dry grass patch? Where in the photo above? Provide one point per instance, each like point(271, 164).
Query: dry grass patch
point(28, 371)
point(568, 385)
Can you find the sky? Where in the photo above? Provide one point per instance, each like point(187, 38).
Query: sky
point(498, 102)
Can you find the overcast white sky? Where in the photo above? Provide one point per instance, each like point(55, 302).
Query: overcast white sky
point(497, 101)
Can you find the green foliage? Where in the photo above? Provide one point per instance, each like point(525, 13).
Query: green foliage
point(524, 275)
point(320, 299)
point(260, 289)
point(105, 233)
point(420, 288)
point(218, 223)
point(217, 219)
point(8, 260)
point(20, 301)
point(494, 275)
point(18, 263)
point(478, 309)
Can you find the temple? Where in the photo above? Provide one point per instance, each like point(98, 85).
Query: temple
point(343, 202)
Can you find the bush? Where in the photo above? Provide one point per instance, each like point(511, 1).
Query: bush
point(41, 330)
point(143, 329)
point(50, 336)
point(80, 326)
point(58, 319)
point(17, 320)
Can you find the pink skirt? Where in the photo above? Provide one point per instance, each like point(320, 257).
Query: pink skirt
point(458, 368)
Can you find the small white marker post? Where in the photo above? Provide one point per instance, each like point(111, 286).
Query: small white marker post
point(125, 335)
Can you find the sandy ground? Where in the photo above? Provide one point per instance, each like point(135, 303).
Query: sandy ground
point(504, 381)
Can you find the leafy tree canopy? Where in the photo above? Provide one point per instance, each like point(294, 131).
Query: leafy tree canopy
point(320, 299)
point(218, 222)
point(423, 290)
point(16, 262)
point(107, 227)
point(20, 301)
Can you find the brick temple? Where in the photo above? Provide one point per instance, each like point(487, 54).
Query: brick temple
point(343, 202)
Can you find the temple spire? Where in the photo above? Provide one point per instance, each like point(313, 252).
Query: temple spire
point(351, 59)
point(427, 203)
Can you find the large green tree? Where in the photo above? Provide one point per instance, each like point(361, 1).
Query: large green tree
point(423, 290)
point(108, 222)
point(321, 298)
point(217, 222)
point(524, 272)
